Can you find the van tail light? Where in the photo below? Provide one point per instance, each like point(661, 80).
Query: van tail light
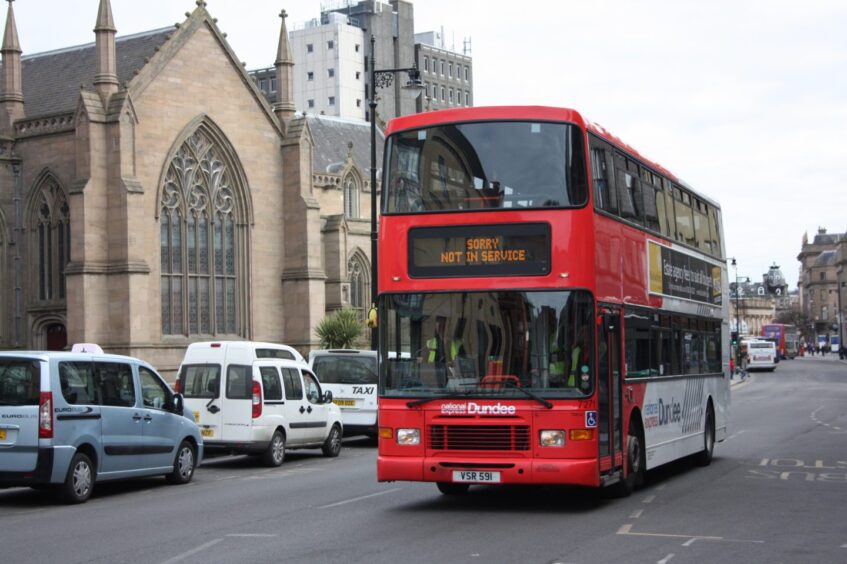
point(45, 415)
point(257, 400)
point(176, 386)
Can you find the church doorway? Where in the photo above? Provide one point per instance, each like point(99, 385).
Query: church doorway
point(57, 337)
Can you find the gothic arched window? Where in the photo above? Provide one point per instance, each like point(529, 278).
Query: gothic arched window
point(52, 227)
point(351, 197)
point(199, 241)
point(359, 289)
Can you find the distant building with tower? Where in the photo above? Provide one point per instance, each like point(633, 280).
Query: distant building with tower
point(823, 282)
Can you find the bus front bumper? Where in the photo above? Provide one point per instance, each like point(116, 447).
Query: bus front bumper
point(580, 472)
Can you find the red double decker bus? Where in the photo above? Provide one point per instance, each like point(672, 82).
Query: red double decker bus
point(552, 305)
point(785, 337)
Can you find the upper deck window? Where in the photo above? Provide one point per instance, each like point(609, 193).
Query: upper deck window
point(488, 165)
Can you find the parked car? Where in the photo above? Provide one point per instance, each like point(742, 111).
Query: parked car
point(351, 376)
point(71, 420)
point(258, 399)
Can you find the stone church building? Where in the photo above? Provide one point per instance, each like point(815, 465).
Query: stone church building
point(150, 196)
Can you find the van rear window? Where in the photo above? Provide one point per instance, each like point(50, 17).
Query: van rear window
point(274, 353)
point(345, 369)
point(20, 382)
point(200, 381)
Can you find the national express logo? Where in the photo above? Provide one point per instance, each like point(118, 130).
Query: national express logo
point(473, 408)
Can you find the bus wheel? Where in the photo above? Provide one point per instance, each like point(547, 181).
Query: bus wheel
point(450, 488)
point(704, 457)
point(634, 463)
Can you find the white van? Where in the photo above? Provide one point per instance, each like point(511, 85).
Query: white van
point(352, 378)
point(761, 354)
point(69, 420)
point(257, 398)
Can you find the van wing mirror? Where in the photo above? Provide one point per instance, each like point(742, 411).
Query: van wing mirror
point(178, 404)
point(328, 396)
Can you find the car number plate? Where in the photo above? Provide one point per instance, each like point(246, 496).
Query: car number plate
point(345, 402)
point(482, 476)
point(207, 432)
point(2, 434)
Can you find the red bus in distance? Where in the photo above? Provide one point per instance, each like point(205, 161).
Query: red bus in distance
point(552, 305)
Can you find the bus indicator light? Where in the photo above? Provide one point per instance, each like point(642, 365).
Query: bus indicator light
point(581, 434)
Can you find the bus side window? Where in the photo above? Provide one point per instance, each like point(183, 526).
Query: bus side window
point(652, 193)
point(701, 226)
point(605, 197)
point(684, 218)
point(669, 225)
point(627, 187)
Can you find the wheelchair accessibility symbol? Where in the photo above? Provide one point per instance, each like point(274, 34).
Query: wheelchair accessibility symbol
point(590, 419)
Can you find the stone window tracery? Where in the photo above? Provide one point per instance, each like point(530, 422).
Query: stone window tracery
point(358, 278)
point(198, 240)
point(351, 197)
point(52, 228)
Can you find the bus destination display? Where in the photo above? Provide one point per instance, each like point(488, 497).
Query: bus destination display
point(480, 250)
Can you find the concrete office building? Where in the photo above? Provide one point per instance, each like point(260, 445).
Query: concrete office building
point(447, 75)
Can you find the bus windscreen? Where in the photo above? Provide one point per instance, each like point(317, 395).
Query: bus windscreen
point(484, 343)
point(487, 165)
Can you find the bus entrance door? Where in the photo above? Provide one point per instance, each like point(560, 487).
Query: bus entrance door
point(609, 404)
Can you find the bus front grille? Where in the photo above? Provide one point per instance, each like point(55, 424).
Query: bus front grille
point(479, 437)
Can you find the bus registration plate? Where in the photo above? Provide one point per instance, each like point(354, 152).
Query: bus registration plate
point(476, 476)
point(2, 434)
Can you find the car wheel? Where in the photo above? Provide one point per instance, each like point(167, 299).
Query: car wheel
point(704, 457)
point(184, 464)
point(332, 444)
point(451, 488)
point(275, 453)
point(79, 483)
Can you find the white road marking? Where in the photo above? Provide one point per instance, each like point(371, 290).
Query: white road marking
point(660, 488)
point(252, 535)
point(648, 499)
point(360, 498)
point(627, 530)
point(192, 552)
point(689, 542)
point(665, 560)
point(636, 514)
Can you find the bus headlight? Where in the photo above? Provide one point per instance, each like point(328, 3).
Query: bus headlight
point(408, 437)
point(553, 438)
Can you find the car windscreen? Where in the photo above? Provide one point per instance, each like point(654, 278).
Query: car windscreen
point(20, 382)
point(347, 369)
point(485, 165)
point(200, 380)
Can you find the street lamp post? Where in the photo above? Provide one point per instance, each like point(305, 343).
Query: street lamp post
point(737, 317)
point(381, 78)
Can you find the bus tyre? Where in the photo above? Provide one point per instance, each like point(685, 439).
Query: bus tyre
point(634, 463)
point(275, 453)
point(704, 457)
point(332, 444)
point(184, 464)
point(450, 488)
point(79, 483)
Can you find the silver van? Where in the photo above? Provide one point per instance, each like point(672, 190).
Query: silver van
point(69, 420)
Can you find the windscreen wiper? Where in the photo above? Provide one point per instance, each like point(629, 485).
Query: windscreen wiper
point(529, 394)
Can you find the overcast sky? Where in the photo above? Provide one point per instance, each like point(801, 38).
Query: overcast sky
point(746, 100)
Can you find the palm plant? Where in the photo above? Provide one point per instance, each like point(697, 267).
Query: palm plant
point(339, 330)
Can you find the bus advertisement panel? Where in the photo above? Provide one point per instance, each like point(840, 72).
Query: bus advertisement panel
point(552, 305)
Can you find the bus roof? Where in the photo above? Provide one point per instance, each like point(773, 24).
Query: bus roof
point(541, 113)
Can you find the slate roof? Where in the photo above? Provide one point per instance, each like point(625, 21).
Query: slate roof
point(826, 258)
point(331, 136)
point(51, 80)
